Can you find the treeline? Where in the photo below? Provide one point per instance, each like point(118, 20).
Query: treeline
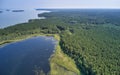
point(90, 16)
point(95, 51)
point(90, 37)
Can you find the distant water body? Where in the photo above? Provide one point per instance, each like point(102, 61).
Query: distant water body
point(8, 18)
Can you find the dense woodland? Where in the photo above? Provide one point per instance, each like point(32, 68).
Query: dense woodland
point(90, 37)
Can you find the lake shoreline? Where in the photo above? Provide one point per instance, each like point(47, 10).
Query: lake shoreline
point(38, 46)
point(53, 60)
point(13, 17)
point(24, 37)
point(67, 66)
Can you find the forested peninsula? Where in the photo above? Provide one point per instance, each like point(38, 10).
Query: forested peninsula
point(88, 40)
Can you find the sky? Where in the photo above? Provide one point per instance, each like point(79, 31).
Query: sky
point(28, 4)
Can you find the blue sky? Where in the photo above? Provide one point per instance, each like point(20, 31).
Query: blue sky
point(27, 4)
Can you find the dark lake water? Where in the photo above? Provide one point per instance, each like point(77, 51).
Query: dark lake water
point(8, 18)
point(22, 58)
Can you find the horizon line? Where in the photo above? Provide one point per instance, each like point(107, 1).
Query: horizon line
point(58, 8)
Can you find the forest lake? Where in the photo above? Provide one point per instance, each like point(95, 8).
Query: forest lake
point(27, 56)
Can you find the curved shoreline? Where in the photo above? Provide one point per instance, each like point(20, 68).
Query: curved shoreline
point(54, 61)
point(24, 37)
point(58, 59)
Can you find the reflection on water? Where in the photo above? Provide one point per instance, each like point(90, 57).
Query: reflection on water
point(26, 57)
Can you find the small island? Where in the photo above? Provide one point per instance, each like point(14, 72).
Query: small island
point(1, 11)
point(17, 10)
point(38, 9)
point(7, 9)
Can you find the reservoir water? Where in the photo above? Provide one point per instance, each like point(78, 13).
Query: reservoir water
point(8, 18)
point(27, 57)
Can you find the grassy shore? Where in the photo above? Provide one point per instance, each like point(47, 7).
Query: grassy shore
point(23, 37)
point(60, 63)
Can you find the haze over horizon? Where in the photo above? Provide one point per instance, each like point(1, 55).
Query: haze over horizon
point(28, 4)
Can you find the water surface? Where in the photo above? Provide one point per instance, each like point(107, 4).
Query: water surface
point(8, 18)
point(25, 57)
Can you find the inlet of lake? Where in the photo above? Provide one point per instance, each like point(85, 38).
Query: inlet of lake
point(27, 56)
point(9, 18)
